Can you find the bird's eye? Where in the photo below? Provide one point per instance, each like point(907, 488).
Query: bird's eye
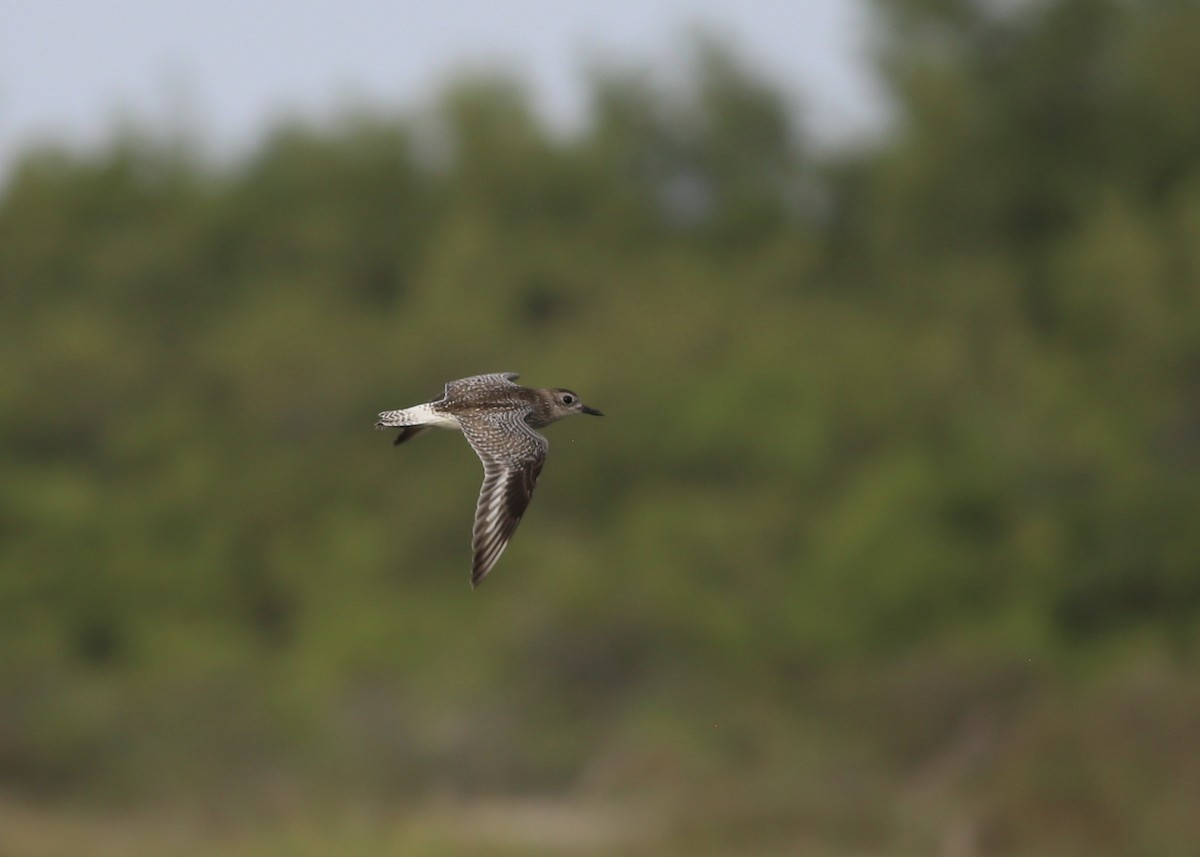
point(568, 399)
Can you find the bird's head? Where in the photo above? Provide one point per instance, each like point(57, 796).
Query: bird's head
point(567, 402)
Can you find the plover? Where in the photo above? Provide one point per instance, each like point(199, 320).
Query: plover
point(498, 419)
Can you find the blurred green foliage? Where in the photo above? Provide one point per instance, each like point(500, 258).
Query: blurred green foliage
point(894, 436)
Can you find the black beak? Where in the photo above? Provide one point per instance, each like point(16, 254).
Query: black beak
point(595, 413)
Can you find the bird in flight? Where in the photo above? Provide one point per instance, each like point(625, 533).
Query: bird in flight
point(498, 419)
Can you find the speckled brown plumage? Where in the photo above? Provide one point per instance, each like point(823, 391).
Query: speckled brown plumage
point(498, 419)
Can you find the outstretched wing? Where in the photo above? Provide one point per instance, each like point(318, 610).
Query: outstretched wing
point(512, 454)
point(456, 389)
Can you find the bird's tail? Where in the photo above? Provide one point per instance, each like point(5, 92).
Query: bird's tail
point(418, 415)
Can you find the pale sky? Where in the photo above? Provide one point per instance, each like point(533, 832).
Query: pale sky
point(71, 70)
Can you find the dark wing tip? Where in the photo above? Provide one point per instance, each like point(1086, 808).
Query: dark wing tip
point(408, 433)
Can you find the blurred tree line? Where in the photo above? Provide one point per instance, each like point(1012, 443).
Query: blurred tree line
point(935, 397)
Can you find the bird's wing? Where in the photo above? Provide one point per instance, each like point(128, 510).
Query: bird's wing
point(512, 454)
point(456, 388)
point(408, 433)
